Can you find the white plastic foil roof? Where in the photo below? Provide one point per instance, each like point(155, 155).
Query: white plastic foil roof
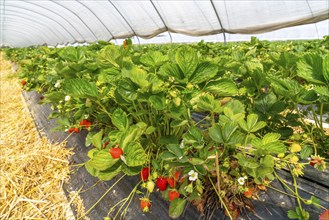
point(59, 22)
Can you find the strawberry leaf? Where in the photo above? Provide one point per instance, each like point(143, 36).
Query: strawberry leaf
point(102, 160)
point(80, 88)
point(187, 60)
point(176, 208)
point(120, 119)
point(135, 155)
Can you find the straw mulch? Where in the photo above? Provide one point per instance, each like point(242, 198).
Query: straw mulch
point(32, 171)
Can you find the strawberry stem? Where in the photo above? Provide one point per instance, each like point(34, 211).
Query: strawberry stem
point(93, 206)
point(221, 200)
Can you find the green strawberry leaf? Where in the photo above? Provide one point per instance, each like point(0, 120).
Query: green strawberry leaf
point(176, 208)
point(135, 155)
point(102, 160)
point(292, 214)
point(120, 119)
point(80, 88)
point(204, 72)
point(187, 60)
point(222, 87)
point(168, 156)
point(110, 173)
point(90, 169)
point(173, 148)
point(312, 68)
point(215, 133)
point(270, 138)
point(306, 152)
point(96, 140)
point(153, 59)
point(158, 101)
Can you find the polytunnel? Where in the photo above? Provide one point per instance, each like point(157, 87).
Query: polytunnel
point(26, 23)
point(164, 109)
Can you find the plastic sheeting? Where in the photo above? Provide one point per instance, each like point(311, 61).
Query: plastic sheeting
point(53, 22)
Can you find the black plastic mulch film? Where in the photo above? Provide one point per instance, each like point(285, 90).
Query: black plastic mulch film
point(271, 204)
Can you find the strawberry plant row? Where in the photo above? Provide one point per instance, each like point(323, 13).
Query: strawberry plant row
point(143, 100)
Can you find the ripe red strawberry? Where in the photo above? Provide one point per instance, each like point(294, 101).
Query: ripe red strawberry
point(116, 152)
point(85, 123)
point(324, 215)
point(171, 181)
point(248, 193)
point(23, 82)
point(173, 194)
point(315, 160)
point(161, 183)
point(76, 130)
point(145, 173)
point(177, 175)
point(145, 204)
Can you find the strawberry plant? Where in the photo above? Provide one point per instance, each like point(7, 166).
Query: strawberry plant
point(194, 119)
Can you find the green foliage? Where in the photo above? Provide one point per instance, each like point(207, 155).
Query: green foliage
point(102, 160)
point(80, 88)
point(135, 155)
point(314, 68)
point(181, 106)
point(176, 208)
point(187, 60)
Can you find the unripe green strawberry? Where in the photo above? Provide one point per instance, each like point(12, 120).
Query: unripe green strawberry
point(150, 186)
point(296, 137)
point(189, 86)
point(295, 148)
point(173, 94)
point(177, 101)
point(308, 202)
point(88, 102)
point(280, 155)
point(155, 175)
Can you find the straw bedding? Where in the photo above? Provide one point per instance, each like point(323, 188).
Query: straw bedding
point(32, 171)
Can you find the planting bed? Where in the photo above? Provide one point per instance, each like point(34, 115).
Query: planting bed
point(219, 126)
point(270, 205)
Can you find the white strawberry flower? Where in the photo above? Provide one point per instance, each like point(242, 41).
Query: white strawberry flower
point(67, 98)
point(57, 84)
point(181, 146)
point(192, 175)
point(241, 180)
